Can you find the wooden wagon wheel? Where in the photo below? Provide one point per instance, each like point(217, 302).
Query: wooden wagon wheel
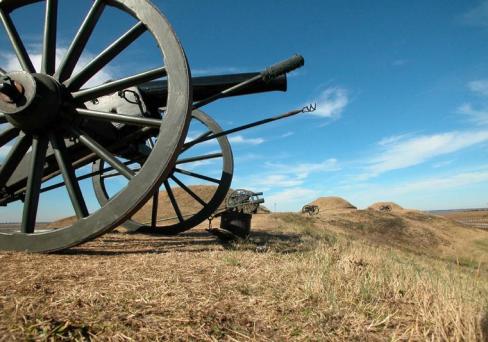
point(43, 110)
point(176, 220)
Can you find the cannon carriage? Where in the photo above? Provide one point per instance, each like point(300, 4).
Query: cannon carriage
point(134, 128)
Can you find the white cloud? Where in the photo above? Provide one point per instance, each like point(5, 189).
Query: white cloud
point(291, 199)
point(287, 134)
point(435, 183)
point(442, 164)
point(279, 181)
point(239, 139)
point(288, 175)
point(477, 16)
point(479, 86)
point(303, 170)
point(438, 183)
point(331, 102)
point(423, 192)
point(413, 151)
point(247, 157)
point(392, 139)
point(476, 116)
point(11, 63)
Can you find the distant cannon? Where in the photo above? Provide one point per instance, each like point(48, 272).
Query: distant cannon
point(310, 209)
point(237, 215)
point(134, 129)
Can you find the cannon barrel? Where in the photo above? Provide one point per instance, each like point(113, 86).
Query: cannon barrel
point(155, 93)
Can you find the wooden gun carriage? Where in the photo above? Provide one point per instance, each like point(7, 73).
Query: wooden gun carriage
point(54, 126)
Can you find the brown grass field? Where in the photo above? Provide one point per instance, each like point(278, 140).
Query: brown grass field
point(345, 274)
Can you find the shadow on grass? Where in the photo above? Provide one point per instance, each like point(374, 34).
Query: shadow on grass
point(113, 244)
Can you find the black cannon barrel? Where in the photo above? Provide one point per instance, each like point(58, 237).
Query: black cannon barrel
point(155, 93)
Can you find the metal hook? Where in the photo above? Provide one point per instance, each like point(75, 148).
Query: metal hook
point(310, 108)
point(123, 94)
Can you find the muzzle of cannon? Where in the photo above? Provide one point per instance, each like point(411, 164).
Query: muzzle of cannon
point(58, 131)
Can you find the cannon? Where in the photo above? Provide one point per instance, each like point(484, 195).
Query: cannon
point(236, 216)
point(310, 209)
point(57, 131)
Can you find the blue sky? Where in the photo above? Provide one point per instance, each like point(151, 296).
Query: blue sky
point(401, 88)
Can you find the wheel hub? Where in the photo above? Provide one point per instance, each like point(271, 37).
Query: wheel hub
point(31, 102)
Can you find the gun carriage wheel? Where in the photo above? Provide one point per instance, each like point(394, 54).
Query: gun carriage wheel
point(51, 135)
point(177, 220)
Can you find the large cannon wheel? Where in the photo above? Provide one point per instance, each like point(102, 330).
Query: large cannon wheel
point(176, 220)
point(43, 114)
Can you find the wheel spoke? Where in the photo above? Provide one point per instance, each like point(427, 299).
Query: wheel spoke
point(77, 81)
point(69, 176)
point(173, 201)
point(199, 158)
point(85, 176)
point(31, 203)
point(188, 190)
point(154, 209)
point(114, 86)
point(197, 175)
point(121, 118)
point(195, 141)
point(71, 58)
point(17, 43)
point(7, 135)
point(13, 158)
point(50, 28)
point(103, 153)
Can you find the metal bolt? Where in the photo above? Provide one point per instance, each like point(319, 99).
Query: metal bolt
point(10, 90)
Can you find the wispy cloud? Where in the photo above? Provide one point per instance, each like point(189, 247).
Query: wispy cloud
point(477, 16)
point(287, 134)
point(239, 139)
point(393, 139)
point(331, 102)
point(413, 192)
point(303, 170)
point(404, 153)
point(291, 199)
point(442, 164)
point(438, 183)
point(479, 86)
point(289, 175)
point(435, 183)
point(247, 157)
point(477, 116)
point(278, 181)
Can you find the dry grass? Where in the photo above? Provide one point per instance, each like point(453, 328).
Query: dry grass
point(293, 279)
